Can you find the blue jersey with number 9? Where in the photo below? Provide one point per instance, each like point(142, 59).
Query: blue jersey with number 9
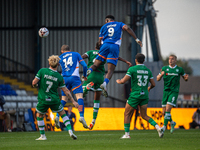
point(69, 62)
point(111, 32)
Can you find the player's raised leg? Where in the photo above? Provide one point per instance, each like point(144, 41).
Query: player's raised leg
point(96, 64)
point(111, 68)
point(143, 112)
point(86, 88)
point(56, 119)
point(66, 122)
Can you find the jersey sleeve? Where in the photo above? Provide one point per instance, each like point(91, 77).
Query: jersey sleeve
point(79, 57)
point(122, 25)
point(129, 72)
point(87, 53)
point(182, 72)
point(150, 75)
point(163, 69)
point(61, 82)
point(38, 75)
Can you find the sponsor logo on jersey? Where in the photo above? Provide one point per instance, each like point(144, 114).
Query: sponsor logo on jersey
point(177, 70)
point(171, 74)
point(167, 69)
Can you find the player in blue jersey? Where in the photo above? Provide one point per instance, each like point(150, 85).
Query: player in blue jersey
point(69, 62)
point(110, 38)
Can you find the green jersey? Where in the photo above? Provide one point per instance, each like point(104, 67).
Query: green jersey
point(50, 80)
point(91, 58)
point(172, 77)
point(140, 76)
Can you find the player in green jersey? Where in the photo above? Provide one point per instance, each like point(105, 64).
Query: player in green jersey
point(171, 76)
point(140, 77)
point(50, 81)
point(95, 79)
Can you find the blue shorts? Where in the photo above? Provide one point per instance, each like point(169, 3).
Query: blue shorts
point(73, 83)
point(110, 52)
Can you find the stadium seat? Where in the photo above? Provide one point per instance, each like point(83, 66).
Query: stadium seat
point(28, 105)
point(19, 98)
point(29, 98)
point(18, 92)
point(14, 93)
point(3, 92)
point(34, 104)
point(7, 98)
point(23, 92)
point(13, 105)
point(8, 92)
point(24, 98)
point(2, 86)
point(7, 105)
point(13, 98)
point(7, 87)
point(34, 98)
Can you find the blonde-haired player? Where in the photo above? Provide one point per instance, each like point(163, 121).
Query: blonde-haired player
point(48, 96)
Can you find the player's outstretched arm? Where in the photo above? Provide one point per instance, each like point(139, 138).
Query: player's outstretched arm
point(152, 84)
point(123, 80)
point(84, 68)
point(34, 82)
point(160, 75)
point(84, 56)
point(69, 96)
point(185, 77)
point(130, 31)
point(126, 61)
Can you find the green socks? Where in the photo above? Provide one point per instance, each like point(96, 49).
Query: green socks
point(66, 122)
point(167, 118)
point(127, 127)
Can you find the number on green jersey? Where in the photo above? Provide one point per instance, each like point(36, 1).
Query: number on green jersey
point(140, 78)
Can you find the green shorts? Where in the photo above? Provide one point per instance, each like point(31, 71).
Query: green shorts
point(169, 97)
point(133, 102)
point(42, 108)
point(97, 78)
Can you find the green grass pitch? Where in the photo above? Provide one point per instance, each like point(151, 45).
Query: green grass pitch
point(102, 140)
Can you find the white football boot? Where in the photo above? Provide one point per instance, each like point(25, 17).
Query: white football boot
point(125, 136)
point(160, 132)
point(41, 138)
point(82, 120)
point(72, 135)
point(103, 87)
point(57, 124)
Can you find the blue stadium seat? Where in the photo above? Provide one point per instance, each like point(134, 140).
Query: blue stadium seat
point(3, 92)
point(2, 86)
point(8, 92)
point(7, 87)
point(14, 93)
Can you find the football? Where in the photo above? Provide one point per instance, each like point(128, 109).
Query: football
point(43, 32)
